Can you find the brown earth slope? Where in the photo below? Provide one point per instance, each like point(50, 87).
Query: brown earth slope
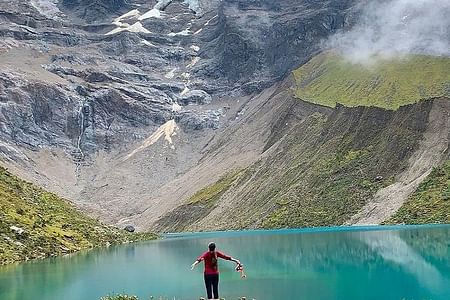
point(321, 166)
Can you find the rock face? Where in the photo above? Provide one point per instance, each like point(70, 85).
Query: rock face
point(256, 43)
point(94, 10)
point(83, 89)
point(128, 108)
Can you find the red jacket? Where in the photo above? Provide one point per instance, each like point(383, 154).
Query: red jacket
point(210, 259)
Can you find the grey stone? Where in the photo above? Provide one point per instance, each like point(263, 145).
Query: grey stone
point(195, 97)
point(129, 228)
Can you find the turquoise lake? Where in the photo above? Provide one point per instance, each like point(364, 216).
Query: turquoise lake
point(345, 263)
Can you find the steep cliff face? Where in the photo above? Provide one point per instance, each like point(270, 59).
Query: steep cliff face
point(256, 43)
point(108, 73)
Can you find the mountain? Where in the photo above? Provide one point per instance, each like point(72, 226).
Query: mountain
point(201, 115)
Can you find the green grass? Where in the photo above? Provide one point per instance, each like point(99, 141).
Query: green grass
point(326, 167)
point(431, 201)
point(200, 204)
point(334, 188)
point(328, 79)
point(52, 226)
point(210, 194)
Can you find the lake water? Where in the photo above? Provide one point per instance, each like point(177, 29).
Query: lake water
point(411, 263)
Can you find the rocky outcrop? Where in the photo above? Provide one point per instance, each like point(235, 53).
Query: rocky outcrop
point(96, 10)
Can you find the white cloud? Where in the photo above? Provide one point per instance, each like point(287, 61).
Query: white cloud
point(396, 28)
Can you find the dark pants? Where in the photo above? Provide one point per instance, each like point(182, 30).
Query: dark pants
point(212, 285)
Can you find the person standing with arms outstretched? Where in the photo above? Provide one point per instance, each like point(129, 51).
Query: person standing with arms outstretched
point(211, 273)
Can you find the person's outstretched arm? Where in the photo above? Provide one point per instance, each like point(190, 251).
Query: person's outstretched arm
point(198, 261)
point(227, 257)
point(195, 263)
point(235, 260)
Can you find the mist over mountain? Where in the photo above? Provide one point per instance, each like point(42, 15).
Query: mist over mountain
point(396, 28)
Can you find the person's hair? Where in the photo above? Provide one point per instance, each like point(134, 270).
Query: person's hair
point(212, 246)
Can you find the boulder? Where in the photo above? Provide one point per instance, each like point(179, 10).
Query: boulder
point(195, 97)
point(129, 228)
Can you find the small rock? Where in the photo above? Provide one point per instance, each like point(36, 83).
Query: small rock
point(64, 249)
point(129, 228)
point(378, 178)
point(17, 230)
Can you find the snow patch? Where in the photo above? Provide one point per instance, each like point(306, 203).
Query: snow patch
point(129, 15)
point(206, 24)
point(147, 43)
point(193, 62)
point(153, 13)
point(195, 48)
point(117, 30)
point(136, 27)
point(186, 75)
point(184, 32)
point(48, 8)
point(168, 130)
point(194, 5)
point(185, 91)
point(198, 31)
point(176, 107)
point(171, 74)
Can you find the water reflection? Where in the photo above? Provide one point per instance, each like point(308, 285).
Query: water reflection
point(394, 249)
point(394, 264)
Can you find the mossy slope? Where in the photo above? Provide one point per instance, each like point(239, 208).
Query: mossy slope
point(328, 79)
point(327, 167)
point(321, 172)
point(199, 205)
point(52, 226)
point(431, 201)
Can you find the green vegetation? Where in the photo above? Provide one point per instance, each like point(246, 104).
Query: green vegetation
point(38, 224)
point(335, 187)
point(322, 171)
point(211, 193)
point(200, 204)
point(327, 166)
point(431, 201)
point(328, 79)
